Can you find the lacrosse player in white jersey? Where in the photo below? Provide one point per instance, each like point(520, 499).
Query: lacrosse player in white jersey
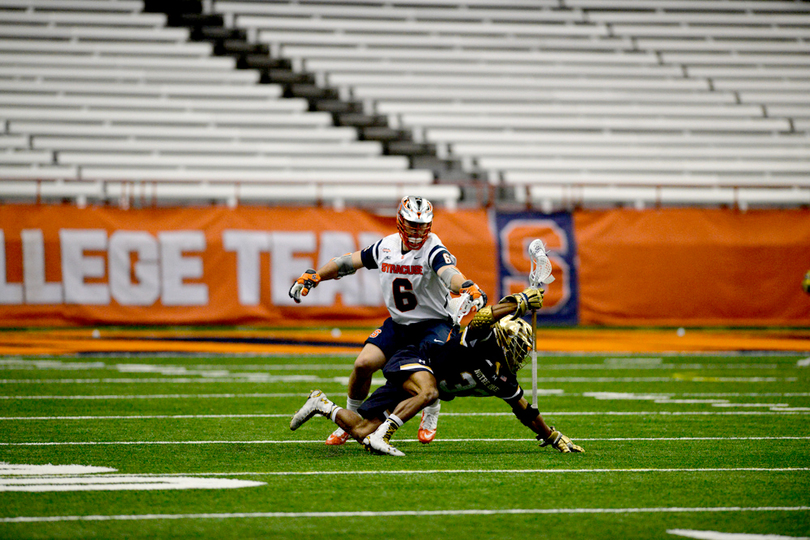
point(416, 275)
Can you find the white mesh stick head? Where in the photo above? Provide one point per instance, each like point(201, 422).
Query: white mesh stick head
point(459, 307)
point(541, 265)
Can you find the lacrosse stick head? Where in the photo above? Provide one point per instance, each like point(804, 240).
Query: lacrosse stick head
point(540, 273)
point(459, 307)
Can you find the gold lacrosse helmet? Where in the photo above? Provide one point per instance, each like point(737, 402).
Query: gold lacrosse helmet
point(514, 336)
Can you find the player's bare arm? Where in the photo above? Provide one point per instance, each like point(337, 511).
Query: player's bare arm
point(336, 268)
point(341, 266)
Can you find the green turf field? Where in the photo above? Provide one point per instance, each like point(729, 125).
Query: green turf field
point(673, 443)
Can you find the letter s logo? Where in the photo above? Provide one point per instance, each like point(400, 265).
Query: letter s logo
point(514, 241)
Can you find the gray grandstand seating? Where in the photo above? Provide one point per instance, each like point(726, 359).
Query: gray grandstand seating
point(563, 101)
point(675, 94)
point(574, 194)
point(101, 101)
point(106, 48)
point(212, 134)
point(285, 147)
point(722, 45)
point(117, 6)
point(163, 91)
point(702, 6)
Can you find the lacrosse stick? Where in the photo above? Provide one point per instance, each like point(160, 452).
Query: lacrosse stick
point(459, 307)
point(540, 274)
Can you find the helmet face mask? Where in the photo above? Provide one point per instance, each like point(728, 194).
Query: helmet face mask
point(414, 220)
point(514, 336)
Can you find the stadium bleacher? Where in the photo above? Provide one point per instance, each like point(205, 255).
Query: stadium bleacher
point(100, 100)
point(545, 102)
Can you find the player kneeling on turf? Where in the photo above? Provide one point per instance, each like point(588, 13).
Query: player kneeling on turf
point(481, 360)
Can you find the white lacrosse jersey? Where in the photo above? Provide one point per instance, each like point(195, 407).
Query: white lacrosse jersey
point(411, 287)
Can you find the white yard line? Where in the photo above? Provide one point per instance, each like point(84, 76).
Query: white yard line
point(717, 535)
point(204, 442)
point(247, 378)
point(546, 392)
point(145, 417)
point(119, 483)
point(408, 513)
point(744, 394)
point(258, 377)
point(490, 471)
point(429, 472)
point(9, 469)
point(775, 412)
point(165, 396)
point(643, 413)
point(58, 365)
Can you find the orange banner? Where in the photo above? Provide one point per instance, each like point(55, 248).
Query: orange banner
point(61, 265)
point(693, 267)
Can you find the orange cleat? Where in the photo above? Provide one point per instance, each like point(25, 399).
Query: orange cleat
point(338, 437)
point(427, 427)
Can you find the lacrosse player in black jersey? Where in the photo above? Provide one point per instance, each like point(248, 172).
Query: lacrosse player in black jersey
point(481, 360)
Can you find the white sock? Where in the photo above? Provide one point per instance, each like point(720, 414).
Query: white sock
point(353, 404)
point(333, 414)
point(434, 409)
point(394, 419)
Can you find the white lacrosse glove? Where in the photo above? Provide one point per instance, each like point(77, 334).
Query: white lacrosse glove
point(308, 280)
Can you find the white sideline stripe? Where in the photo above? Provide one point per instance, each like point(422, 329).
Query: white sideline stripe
point(775, 412)
point(662, 379)
point(797, 410)
point(750, 404)
point(716, 535)
point(745, 394)
point(146, 417)
point(492, 471)
point(119, 483)
point(246, 378)
point(415, 513)
point(552, 392)
point(605, 439)
point(351, 356)
point(163, 396)
point(264, 378)
point(8, 469)
point(641, 413)
point(58, 365)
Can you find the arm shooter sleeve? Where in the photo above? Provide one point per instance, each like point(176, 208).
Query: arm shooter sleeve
point(447, 276)
point(344, 264)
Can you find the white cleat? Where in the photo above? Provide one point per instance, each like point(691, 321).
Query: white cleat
point(377, 442)
point(427, 427)
point(317, 403)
